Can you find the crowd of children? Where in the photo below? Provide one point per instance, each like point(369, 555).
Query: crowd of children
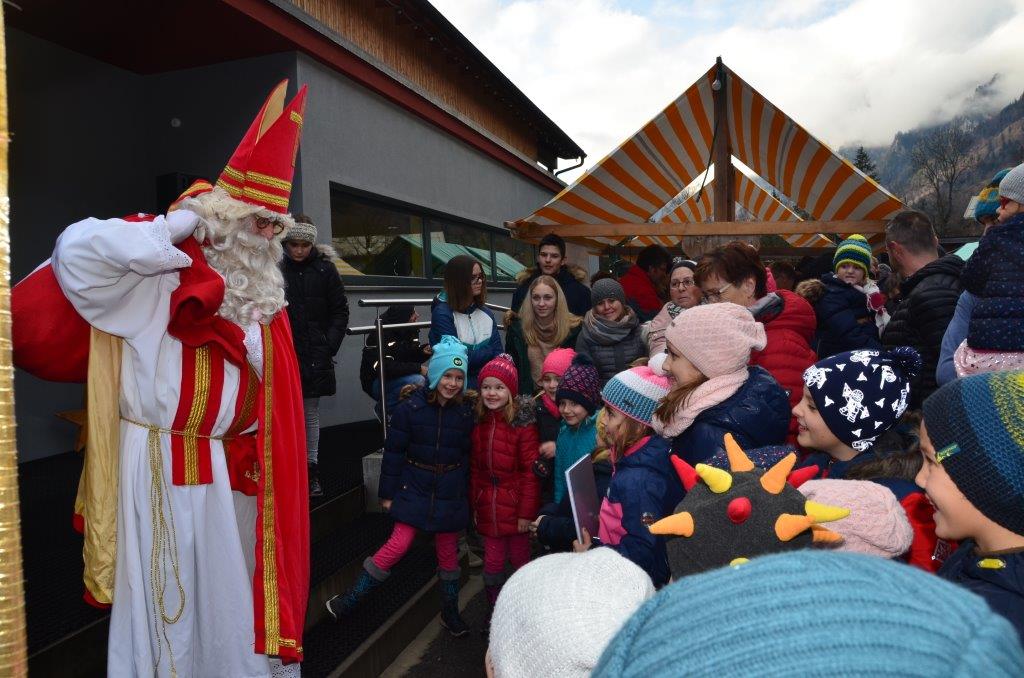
point(723, 496)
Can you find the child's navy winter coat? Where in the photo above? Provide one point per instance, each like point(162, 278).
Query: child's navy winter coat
point(844, 321)
point(425, 471)
point(757, 415)
point(995, 274)
point(998, 578)
point(643, 490)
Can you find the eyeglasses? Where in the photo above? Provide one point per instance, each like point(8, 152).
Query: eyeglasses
point(715, 297)
point(476, 278)
point(682, 284)
point(263, 223)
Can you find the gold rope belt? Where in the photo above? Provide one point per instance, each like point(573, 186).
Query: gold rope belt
point(165, 540)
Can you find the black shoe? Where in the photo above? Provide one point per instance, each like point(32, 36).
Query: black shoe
point(315, 489)
point(450, 617)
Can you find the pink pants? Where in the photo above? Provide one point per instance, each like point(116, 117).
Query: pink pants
point(515, 546)
point(446, 544)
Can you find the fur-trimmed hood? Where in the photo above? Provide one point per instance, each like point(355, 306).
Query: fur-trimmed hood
point(577, 272)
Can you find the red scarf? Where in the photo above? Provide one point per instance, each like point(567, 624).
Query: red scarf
point(551, 405)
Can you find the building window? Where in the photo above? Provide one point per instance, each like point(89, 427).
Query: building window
point(375, 237)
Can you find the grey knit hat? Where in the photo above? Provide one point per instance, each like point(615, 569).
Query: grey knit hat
point(607, 288)
point(1012, 185)
point(301, 232)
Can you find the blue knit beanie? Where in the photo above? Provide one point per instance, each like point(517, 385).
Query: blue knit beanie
point(449, 353)
point(976, 425)
point(862, 394)
point(809, 613)
point(854, 250)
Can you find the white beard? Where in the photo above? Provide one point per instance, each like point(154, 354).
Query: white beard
point(253, 283)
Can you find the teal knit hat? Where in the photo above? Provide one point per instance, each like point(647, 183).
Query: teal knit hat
point(809, 613)
point(854, 250)
point(449, 353)
point(987, 204)
point(976, 425)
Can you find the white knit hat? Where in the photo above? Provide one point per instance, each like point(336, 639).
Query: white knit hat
point(301, 232)
point(555, 615)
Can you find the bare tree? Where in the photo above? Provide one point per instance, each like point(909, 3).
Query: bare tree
point(940, 159)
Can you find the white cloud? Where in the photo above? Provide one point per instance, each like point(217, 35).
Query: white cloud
point(850, 72)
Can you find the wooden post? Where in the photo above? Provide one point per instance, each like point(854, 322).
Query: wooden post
point(725, 201)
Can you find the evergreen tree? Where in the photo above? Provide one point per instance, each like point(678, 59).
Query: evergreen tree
point(863, 162)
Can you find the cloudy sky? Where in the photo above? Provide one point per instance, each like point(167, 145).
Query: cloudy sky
point(851, 71)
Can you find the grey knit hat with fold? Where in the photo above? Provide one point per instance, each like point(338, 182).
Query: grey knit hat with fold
point(607, 288)
point(301, 232)
point(1012, 185)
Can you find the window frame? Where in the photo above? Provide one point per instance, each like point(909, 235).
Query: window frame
point(425, 214)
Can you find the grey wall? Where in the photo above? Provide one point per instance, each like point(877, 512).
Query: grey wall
point(355, 138)
point(90, 139)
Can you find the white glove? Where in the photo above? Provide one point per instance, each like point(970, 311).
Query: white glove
point(180, 225)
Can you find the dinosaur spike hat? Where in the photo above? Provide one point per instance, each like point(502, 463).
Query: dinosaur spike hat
point(728, 517)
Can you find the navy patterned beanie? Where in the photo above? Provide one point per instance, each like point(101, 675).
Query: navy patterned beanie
point(862, 394)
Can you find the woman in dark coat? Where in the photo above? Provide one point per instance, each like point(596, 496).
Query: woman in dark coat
point(318, 311)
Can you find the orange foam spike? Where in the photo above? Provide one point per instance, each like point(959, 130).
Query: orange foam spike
point(774, 479)
point(823, 535)
point(677, 524)
point(738, 459)
point(789, 526)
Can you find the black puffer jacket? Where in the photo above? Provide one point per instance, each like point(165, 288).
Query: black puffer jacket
point(318, 311)
point(403, 353)
point(927, 302)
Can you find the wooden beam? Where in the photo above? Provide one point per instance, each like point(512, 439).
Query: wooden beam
point(526, 231)
point(724, 202)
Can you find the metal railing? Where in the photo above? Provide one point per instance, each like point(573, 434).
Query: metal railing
point(378, 327)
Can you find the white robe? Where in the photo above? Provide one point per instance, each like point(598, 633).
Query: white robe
point(119, 276)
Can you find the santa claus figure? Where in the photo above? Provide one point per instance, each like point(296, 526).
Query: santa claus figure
point(193, 497)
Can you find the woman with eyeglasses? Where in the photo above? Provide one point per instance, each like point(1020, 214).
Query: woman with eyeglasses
point(683, 294)
point(734, 273)
point(459, 311)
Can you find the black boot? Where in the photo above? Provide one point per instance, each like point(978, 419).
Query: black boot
point(492, 598)
point(315, 490)
point(450, 617)
point(341, 606)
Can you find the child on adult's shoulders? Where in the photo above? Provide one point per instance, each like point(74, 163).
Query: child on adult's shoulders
point(851, 400)
point(972, 441)
point(848, 303)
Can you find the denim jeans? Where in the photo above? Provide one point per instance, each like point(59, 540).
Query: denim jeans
point(393, 388)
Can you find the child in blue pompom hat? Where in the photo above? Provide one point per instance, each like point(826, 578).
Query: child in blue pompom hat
point(849, 306)
point(424, 481)
point(851, 415)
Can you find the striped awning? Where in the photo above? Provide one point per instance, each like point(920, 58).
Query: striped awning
point(636, 181)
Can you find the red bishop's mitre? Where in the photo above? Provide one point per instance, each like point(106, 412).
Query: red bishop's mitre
point(260, 170)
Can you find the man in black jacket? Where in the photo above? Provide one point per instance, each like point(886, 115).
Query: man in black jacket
point(318, 311)
point(928, 294)
point(551, 261)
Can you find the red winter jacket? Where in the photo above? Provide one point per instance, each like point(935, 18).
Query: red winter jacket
point(788, 353)
point(503, 487)
point(641, 291)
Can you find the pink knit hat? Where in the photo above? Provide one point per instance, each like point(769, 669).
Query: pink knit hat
point(877, 524)
point(557, 362)
point(716, 338)
point(504, 370)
